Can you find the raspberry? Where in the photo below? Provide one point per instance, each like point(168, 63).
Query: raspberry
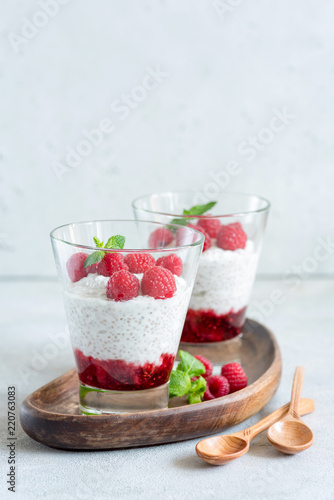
point(216, 387)
point(92, 268)
point(232, 237)
point(75, 266)
point(211, 226)
point(111, 263)
point(171, 262)
point(208, 366)
point(161, 237)
point(139, 262)
point(122, 286)
point(159, 283)
point(207, 241)
point(235, 375)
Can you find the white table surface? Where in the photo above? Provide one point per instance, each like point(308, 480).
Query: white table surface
point(31, 314)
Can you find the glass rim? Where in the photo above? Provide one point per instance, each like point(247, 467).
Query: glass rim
point(128, 250)
point(185, 191)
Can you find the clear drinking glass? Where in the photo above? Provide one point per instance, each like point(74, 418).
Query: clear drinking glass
point(126, 309)
point(233, 230)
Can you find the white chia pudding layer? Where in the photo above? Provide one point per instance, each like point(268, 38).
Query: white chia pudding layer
point(136, 331)
point(224, 279)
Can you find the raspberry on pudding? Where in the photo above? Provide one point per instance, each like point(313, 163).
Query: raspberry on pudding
point(211, 225)
point(171, 262)
point(159, 283)
point(122, 286)
point(111, 263)
point(75, 267)
point(125, 326)
point(207, 240)
point(139, 262)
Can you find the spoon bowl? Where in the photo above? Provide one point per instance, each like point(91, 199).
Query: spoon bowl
point(290, 437)
point(220, 450)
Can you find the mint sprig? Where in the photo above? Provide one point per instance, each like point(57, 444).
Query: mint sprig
point(116, 242)
point(194, 211)
point(180, 380)
point(190, 365)
point(179, 384)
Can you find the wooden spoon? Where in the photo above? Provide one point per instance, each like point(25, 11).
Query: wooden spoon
point(291, 435)
point(220, 450)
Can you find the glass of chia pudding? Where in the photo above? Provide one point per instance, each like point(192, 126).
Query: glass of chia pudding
point(233, 225)
point(126, 288)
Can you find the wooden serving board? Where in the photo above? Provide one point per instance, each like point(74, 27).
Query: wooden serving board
point(51, 414)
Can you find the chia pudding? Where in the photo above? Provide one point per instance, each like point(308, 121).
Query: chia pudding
point(124, 345)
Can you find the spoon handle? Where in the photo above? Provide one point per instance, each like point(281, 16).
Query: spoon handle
point(296, 391)
point(305, 406)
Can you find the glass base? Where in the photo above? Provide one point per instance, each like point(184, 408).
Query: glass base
point(95, 401)
point(219, 353)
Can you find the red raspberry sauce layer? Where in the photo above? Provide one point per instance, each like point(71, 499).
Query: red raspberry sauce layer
point(117, 375)
point(206, 326)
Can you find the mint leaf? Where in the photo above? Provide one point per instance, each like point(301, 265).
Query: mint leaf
point(117, 241)
point(190, 365)
point(198, 385)
point(195, 210)
point(199, 209)
point(197, 390)
point(98, 243)
point(179, 383)
point(180, 380)
point(194, 398)
point(180, 222)
point(93, 258)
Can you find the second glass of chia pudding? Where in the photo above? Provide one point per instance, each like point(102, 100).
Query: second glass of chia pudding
point(233, 226)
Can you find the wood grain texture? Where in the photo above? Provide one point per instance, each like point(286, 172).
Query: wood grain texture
point(51, 414)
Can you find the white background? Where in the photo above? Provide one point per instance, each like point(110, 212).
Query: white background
point(228, 69)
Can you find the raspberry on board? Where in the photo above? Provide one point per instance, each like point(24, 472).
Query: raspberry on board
point(139, 262)
point(235, 375)
point(232, 237)
point(159, 283)
point(216, 387)
point(207, 364)
point(122, 286)
point(111, 262)
point(172, 262)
